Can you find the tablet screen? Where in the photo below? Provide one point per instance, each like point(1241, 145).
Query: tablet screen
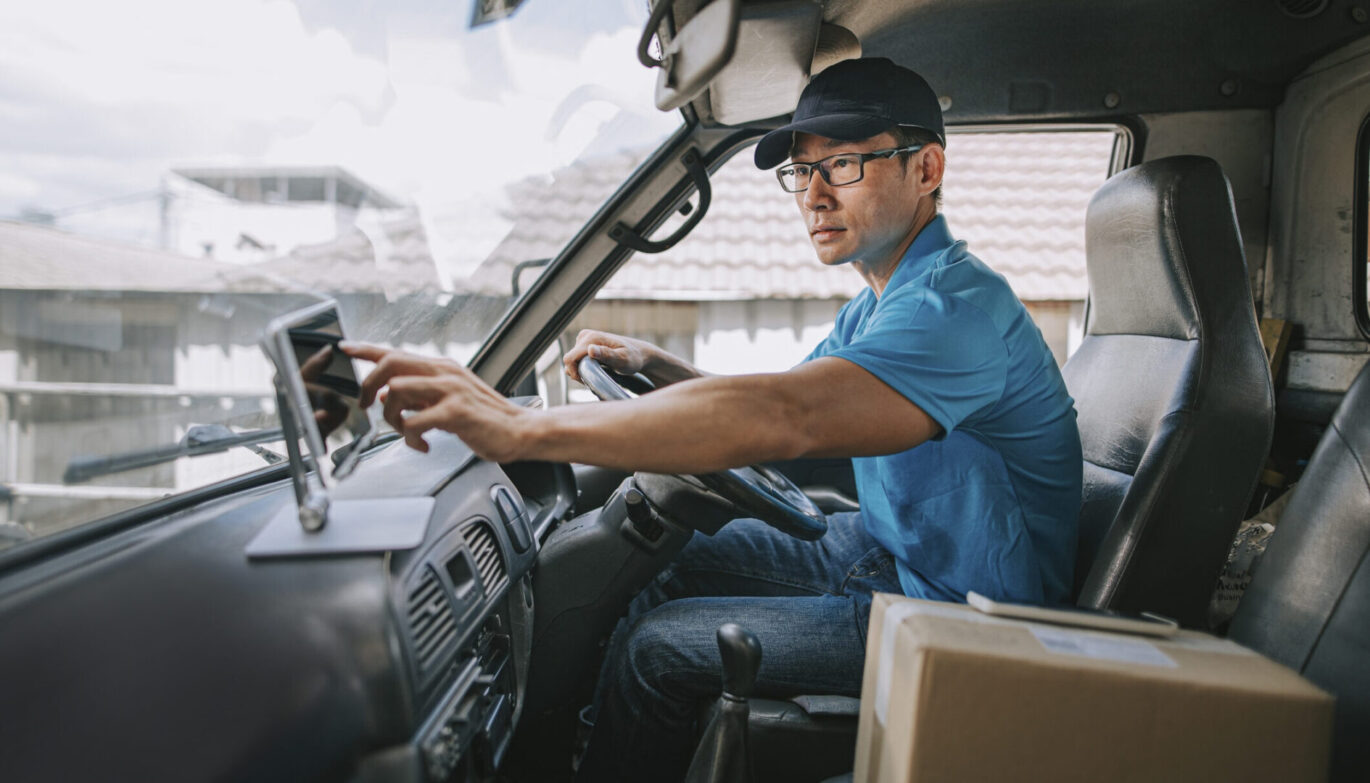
point(329, 385)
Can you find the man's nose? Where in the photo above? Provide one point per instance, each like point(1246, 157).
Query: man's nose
point(819, 194)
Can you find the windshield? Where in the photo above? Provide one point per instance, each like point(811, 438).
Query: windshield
point(175, 175)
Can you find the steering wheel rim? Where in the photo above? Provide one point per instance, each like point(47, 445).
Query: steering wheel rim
point(761, 491)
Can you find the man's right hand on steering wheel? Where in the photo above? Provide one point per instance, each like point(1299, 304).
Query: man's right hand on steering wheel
point(626, 356)
point(623, 355)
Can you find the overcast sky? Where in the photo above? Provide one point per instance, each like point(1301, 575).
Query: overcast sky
point(98, 99)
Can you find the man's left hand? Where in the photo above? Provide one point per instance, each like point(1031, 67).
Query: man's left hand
point(423, 393)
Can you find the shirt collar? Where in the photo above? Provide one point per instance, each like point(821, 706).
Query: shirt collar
point(922, 255)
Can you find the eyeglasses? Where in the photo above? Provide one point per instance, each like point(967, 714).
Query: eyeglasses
point(841, 169)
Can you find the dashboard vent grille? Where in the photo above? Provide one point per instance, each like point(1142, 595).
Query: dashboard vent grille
point(430, 618)
point(489, 562)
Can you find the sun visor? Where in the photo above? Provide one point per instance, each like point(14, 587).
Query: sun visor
point(754, 58)
point(701, 47)
point(775, 48)
point(771, 68)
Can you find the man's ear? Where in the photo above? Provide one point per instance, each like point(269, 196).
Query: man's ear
point(931, 165)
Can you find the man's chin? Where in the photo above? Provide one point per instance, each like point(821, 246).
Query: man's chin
point(829, 257)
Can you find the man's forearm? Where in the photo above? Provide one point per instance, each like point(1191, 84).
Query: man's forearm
point(828, 407)
point(701, 426)
point(665, 368)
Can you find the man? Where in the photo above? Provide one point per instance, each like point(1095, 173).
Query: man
point(934, 379)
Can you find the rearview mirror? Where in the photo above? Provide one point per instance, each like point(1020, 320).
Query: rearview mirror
point(696, 53)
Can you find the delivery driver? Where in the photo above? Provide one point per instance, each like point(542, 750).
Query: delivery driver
point(934, 380)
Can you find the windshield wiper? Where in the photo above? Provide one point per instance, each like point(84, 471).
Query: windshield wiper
point(200, 439)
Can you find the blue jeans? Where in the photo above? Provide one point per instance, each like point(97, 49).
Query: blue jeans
point(808, 603)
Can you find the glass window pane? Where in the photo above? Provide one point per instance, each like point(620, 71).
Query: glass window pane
point(745, 293)
point(163, 197)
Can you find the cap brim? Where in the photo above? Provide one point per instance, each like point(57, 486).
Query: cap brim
point(774, 147)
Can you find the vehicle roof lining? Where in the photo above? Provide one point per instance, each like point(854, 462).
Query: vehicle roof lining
point(1142, 56)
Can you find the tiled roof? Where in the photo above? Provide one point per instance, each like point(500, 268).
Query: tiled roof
point(1018, 199)
point(351, 263)
point(34, 257)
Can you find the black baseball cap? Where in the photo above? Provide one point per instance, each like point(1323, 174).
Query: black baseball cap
point(854, 100)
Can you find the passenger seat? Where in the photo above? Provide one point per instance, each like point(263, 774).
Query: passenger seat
point(1308, 605)
point(1176, 407)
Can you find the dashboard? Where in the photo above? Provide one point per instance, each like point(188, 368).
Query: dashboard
point(162, 651)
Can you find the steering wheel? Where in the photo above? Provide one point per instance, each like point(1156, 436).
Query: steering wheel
point(758, 490)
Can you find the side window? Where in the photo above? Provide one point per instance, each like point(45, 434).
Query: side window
point(1019, 199)
point(745, 293)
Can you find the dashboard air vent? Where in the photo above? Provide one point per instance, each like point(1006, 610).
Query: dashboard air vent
point(430, 618)
point(485, 549)
point(1302, 9)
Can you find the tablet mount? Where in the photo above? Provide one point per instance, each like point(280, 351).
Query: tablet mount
point(319, 522)
point(312, 501)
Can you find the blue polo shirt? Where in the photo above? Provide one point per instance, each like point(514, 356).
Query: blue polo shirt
point(992, 504)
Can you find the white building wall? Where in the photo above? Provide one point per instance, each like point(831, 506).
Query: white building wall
point(207, 224)
point(761, 336)
point(9, 366)
point(1075, 329)
point(230, 368)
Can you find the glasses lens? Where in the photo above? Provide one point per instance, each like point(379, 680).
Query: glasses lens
point(843, 169)
point(794, 178)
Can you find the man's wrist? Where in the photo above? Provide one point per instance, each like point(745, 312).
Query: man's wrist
point(533, 435)
point(656, 360)
point(667, 368)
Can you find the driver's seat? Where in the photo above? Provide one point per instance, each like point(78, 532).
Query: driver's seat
point(806, 738)
point(1176, 413)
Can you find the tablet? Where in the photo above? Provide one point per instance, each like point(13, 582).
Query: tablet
point(321, 384)
point(1144, 623)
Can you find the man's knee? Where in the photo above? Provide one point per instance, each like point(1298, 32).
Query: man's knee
point(668, 655)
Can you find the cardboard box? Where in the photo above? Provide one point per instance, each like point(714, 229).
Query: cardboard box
point(951, 694)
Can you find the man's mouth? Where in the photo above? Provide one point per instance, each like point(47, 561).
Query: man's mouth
point(821, 233)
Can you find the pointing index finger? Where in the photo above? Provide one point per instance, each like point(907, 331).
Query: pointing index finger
point(377, 377)
point(367, 351)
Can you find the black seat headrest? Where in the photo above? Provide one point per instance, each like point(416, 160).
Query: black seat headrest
point(1145, 230)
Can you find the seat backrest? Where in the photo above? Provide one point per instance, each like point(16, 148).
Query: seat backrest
point(1308, 605)
point(1176, 407)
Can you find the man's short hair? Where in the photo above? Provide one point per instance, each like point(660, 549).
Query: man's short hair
point(905, 136)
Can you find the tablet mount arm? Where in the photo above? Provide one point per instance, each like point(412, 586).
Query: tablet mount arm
point(310, 497)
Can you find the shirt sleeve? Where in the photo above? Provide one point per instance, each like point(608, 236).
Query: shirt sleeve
point(943, 354)
point(842, 327)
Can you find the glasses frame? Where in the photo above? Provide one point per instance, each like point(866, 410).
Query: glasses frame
point(823, 166)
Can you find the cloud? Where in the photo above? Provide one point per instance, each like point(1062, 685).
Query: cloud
point(150, 81)
point(101, 99)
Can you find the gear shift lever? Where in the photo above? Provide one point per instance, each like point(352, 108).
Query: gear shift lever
point(741, 652)
point(723, 755)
